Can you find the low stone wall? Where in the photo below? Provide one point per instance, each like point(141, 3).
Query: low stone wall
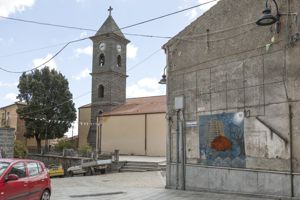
point(7, 136)
point(65, 161)
point(230, 180)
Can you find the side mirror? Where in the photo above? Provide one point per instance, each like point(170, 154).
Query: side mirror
point(11, 177)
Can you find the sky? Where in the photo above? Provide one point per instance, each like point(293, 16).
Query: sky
point(24, 46)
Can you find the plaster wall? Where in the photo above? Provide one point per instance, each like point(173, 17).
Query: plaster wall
point(224, 63)
point(83, 128)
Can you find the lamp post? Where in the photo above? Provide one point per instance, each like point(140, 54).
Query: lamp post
point(99, 133)
point(164, 77)
point(267, 18)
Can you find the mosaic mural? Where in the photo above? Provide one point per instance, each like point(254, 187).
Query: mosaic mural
point(222, 140)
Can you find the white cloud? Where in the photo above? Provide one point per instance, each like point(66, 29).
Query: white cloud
point(83, 35)
point(146, 87)
point(11, 96)
point(3, 84)
point(131, 51)
point(206, 6)
point(51, 64)
point(87, 51)
point(8, 7)
point(83, 74)
point(194, 13)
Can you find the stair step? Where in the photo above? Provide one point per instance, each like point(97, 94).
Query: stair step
point(131, 170)
point(141, 163)
point(142, 168)
point(132, 166)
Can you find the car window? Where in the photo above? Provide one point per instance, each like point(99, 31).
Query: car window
point(18, 169)
point(3, 167)
point(33, 168)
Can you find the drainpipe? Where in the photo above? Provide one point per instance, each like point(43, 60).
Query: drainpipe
point(177, 148)
point(183, 139)
point(145, 134)
point(291, 149)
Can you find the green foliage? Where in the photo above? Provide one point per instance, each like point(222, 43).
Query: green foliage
point(64, 144)
point(20, 150)
point(85, 150)
point(50, 110)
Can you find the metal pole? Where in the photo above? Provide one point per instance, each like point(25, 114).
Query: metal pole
point(291, 149)
point(183, 154)
point(177, 151)
point(97, 136)
point(100, 138)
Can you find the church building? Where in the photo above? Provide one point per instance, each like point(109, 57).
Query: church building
point(134, 126)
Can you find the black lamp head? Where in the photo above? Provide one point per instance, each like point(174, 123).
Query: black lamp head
point(267, 18)
point(163, 80)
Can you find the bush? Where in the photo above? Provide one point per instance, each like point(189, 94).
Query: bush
point(85, 150)
point(64, 144)
point(20, 150)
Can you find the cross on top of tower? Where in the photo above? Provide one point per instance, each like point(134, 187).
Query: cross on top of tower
point(109, 10)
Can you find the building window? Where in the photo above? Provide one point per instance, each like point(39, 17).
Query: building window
point(119, 61)
point(101, 60)
point(100, 91)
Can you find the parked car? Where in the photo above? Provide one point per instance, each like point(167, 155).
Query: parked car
point(24, 179)
point(56, 171)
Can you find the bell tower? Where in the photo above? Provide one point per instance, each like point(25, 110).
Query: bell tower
point(108, 72)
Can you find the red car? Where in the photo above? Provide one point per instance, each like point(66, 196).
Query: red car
point(24, 179)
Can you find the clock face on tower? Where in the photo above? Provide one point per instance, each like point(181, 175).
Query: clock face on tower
point(102, 46)
point(119, 48)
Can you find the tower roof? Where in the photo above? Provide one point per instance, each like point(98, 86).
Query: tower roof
point(110, 26)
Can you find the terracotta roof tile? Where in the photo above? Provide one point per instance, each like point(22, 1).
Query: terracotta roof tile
point(141, 105)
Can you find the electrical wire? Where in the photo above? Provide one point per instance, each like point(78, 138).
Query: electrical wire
point(92, 91)
point(45, 62)
point(89, 29)
point(73, 27)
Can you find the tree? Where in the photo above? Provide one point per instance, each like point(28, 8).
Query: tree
point(20, 150)
point(49, 110)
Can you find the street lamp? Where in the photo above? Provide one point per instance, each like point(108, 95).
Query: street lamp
point(164, 77)
point(99, 132)
point(267, 18)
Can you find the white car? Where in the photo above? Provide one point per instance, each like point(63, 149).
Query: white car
point(89, 167)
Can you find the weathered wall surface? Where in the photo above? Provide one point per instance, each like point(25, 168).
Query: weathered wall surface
point(83, 128)
point(143, 134)
point(7, 138)
point(228, 69)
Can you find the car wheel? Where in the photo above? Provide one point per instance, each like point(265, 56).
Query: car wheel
point(71, 173)
point(45, 195)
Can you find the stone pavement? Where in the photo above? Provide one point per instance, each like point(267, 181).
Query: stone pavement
point(127, 186)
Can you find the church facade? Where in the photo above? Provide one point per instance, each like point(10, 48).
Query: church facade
point(108, 72)
point(134, 126)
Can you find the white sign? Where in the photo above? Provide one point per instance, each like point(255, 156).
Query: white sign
point(191, 124)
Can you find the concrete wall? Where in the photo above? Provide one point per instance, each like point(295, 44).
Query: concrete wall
point(231, 71)
point(156, 134)
point(125, 133)
point(257, 182)
point(7, 138)
point(83, 127)
point(146, 131)
point(135, 134)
